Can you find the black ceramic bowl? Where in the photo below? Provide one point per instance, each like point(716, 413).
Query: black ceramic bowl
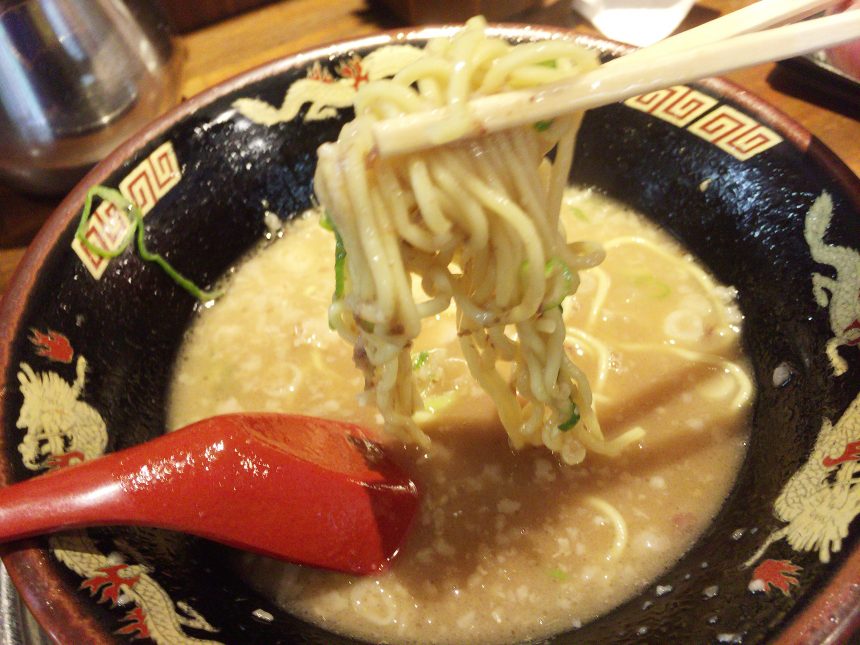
point(728, 175)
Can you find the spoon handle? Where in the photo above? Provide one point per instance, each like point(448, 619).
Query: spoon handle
point(65, 499)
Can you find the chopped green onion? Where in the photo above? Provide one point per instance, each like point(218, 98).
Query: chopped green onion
point(548, 63)
point(326, 223)
point(579, 214)
point(420, 359)
point(433, 405)
point(652, 285)
point(119, 202)
point(339, 256)
point(566, 272)
point(567, 276)
point(572, 420)
point(339, 265)
point(543, 126)
point(558, 574)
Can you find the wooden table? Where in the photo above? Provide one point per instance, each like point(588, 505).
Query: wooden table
point(240, 43)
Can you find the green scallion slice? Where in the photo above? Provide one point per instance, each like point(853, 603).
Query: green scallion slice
point(420, 360)
point(339, 265)
point(119, 202)
point(572, 420)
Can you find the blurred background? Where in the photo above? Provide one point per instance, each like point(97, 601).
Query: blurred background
point(78, 77)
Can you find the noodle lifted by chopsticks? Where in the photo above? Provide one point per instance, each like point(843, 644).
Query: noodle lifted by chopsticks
point(477, 222)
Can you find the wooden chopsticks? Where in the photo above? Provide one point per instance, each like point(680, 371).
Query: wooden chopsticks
point(739, 39)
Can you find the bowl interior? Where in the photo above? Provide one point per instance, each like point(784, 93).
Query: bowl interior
point(734, 182)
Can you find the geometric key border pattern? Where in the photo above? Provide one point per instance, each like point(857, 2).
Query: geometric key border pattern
point(725, 127)
point(682, 106)
point(144, 186)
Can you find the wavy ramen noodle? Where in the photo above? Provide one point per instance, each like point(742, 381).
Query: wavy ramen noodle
point(477, 223)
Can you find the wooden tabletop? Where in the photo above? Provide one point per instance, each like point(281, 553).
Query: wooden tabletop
point(227, 48)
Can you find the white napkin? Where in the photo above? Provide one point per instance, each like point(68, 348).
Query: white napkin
point(637, 22)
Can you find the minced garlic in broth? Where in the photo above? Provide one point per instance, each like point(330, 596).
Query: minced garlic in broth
point(508, 545)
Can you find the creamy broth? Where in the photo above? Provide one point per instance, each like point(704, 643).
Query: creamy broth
point(507, 546)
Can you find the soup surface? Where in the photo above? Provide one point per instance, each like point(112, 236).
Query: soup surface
point(508, 546)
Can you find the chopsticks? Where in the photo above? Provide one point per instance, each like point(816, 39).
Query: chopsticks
point(716, 47)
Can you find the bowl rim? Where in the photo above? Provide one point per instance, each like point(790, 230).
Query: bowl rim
point(830, 616)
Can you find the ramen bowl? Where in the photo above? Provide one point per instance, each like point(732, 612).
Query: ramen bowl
point(89, 346)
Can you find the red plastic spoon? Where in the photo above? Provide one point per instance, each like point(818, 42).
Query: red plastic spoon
point(303, 489)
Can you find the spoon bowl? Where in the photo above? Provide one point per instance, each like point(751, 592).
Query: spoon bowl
point(308, 490)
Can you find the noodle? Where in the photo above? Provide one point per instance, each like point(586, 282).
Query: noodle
point(618, 524)
point(603, 283)
point(477, 222)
